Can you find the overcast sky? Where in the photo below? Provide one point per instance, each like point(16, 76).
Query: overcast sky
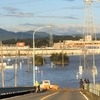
point(65, 16)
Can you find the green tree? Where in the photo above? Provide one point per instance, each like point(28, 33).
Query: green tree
point(39, 60)
point(57, 58)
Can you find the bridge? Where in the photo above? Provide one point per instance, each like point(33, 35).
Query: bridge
point(25, 51)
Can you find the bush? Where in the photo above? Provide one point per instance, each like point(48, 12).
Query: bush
point(39, 60)
point(57, 58)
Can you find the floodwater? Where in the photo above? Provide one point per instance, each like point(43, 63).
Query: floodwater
point(62, 76)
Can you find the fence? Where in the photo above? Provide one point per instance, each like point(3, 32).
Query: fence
point(93, 88)
point(12, 91)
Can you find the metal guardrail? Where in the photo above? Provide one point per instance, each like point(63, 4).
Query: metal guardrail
point(6, 91)
point(93, 88)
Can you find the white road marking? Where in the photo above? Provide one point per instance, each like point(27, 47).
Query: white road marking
point(84, 96)
point(48, 96)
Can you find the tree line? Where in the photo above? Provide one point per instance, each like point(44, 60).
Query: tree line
point(39, 42)
point(55, 58)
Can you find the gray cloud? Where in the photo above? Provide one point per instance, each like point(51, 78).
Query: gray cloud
point(81, 7)
point(68, 29)
point(20, 15)
point(10, 8)
point(29, 24)
point(60, 29)
point(65, 17)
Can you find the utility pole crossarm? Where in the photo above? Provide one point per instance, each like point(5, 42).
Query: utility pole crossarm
point(95, 0)
point(88, 1)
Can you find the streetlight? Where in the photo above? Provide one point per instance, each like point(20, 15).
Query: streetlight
point(34, 51)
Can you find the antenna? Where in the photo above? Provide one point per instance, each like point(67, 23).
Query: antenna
point(91, 0)
point(89, 30)
point(51, 37)
point(96, 0)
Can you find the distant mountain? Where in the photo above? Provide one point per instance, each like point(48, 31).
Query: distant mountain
point(6, 35)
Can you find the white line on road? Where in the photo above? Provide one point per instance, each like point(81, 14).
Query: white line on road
point(48, 96)
point(84, 96)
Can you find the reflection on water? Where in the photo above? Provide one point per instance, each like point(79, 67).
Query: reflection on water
point(63, 76)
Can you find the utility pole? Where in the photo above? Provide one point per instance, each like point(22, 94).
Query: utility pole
point(2, 67)
point(51, 38)
point(16, 67)
point(84, 50)
point(62, 54)
point(43, 55)
point(28, 61)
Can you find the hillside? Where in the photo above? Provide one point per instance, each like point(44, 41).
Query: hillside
point(6, 35)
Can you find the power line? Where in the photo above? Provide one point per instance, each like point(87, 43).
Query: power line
point(29, 1)
point(60, 9)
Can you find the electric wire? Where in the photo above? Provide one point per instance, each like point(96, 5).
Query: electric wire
point(13, 76)
point(29, 1)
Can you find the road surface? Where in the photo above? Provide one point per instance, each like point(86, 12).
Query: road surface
point(49, 95)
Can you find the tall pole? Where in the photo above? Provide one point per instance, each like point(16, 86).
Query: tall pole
point(84, 50)
point(62, 54)
point(33, 59)
point(34, 78)
point(16, 67)
point(43, 55)
point(2, 67)
point(51, 38)
point(89, 28)
point(28, 61)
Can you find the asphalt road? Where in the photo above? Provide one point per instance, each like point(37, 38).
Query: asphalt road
point(49, 96)
point(66, 96)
